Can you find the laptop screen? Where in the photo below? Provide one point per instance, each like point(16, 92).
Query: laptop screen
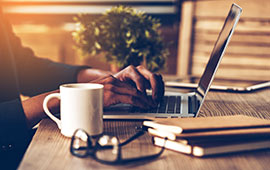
point(219, 49)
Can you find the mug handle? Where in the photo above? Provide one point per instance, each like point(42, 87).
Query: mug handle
point(45, 107)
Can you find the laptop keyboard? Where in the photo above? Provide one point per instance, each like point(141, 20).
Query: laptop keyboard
point(172, 105)
point(169, 104)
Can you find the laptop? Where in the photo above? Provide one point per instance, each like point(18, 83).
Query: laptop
point(175, 104)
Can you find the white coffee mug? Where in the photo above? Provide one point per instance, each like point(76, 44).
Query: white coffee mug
point(81, 106)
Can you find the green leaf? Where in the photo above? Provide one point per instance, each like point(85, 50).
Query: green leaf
point(147, 34)
point(97, 45)
point(96, 31)
point(128, 34)
point(94, 52)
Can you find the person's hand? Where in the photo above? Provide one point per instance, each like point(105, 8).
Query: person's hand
point(143, 79)
point(116, 91)
point(126, 86)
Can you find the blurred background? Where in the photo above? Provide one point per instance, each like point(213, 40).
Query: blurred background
point(190, 27)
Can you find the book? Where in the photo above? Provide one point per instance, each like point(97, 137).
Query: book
point(250, 132)
point(210, 135)
point(206, 124)
point(203, 148)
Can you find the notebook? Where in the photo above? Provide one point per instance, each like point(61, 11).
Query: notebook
point(205, 148)
point(205, 136)
point(202, 124)
point(208, 127)
point(175, 104)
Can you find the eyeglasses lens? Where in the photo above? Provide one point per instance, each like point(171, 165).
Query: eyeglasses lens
point(80, 143)
point(109, 149)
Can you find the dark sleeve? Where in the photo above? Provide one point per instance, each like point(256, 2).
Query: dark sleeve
point(37, 75)
point(14, 135)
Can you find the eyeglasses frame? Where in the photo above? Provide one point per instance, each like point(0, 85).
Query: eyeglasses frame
point(92, 149)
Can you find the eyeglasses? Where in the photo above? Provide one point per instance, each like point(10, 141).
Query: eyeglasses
point(105, 149)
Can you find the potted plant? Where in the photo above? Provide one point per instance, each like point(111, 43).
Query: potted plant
point(125, 36)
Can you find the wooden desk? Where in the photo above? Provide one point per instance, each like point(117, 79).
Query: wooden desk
point(50, 150)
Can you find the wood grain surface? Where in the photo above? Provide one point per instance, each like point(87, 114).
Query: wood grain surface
point(50, 150)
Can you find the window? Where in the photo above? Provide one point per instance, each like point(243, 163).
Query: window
point(46, 25)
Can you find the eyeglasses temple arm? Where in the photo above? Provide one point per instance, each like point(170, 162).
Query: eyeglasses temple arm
point(149, 157)
point(138, 134)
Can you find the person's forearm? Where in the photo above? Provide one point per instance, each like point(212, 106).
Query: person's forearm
point(33, 106)
point(34, 111)
point(89, 74)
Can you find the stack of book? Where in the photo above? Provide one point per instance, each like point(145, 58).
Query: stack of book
point(211, 135)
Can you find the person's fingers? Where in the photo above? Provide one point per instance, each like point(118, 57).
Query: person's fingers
point(104, 80)
point(111, 98)
point(158, 90)
point(118, 88)
point(113, 84)
point(126, 89)
point(156, 82)
point(131, 74)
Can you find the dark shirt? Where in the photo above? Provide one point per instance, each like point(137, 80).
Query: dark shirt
point(21, 72)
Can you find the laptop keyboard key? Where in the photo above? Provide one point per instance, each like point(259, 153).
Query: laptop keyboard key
point(162, 107)
point(171, 104)
point(192, 104)
point(178, 104)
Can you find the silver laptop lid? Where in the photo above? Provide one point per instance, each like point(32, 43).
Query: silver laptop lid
point(217, 53)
